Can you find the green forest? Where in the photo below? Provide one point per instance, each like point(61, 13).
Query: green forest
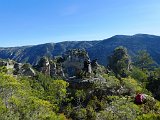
point(108, 94)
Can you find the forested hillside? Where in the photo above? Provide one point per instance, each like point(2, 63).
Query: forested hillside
point(97, 49)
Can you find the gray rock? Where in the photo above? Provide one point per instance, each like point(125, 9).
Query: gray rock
point(28, 72)
point(43, 66)
point(74, 62)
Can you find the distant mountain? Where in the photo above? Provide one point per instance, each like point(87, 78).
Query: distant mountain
point(96, 49)
point(32, 54)
point(151, 43)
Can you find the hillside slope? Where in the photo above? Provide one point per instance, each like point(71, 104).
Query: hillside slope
point(133, 43)
point(32, 54)
point(96, 49)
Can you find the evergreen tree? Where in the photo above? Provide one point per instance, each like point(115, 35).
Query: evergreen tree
point(120, 61)
point(143, 60)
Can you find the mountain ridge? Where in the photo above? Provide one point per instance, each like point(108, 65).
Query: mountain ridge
point(97, 49)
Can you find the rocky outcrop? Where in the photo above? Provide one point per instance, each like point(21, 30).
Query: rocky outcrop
point(86, 83)
point(58, 67)
point(9, 64)
point(43, 66)
point(70, 64)
point(27, 70)
point(17, 68)
point(51, 67)
point(75, 61)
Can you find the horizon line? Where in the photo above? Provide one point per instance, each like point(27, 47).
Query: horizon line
point(78, 40)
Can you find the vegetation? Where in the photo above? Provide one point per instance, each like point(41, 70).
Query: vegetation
point(108, 95)
point(120, 62)
point(24, 99)
point(143, 60)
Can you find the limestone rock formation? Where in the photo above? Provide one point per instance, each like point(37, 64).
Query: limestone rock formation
point(95, 66)
point(43, 66)
point(71, 64)
point(17, 68)
point(51, 67)
point(27, 70)
point(58, 67)
point(9, 64)
point(75, 61)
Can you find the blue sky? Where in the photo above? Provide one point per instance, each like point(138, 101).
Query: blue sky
point(29, 22)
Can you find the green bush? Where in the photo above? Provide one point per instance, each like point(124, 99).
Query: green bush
point(79, 114)
point(139, 75)
point(18, 101)
point(148, 117)
point(131, 85)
